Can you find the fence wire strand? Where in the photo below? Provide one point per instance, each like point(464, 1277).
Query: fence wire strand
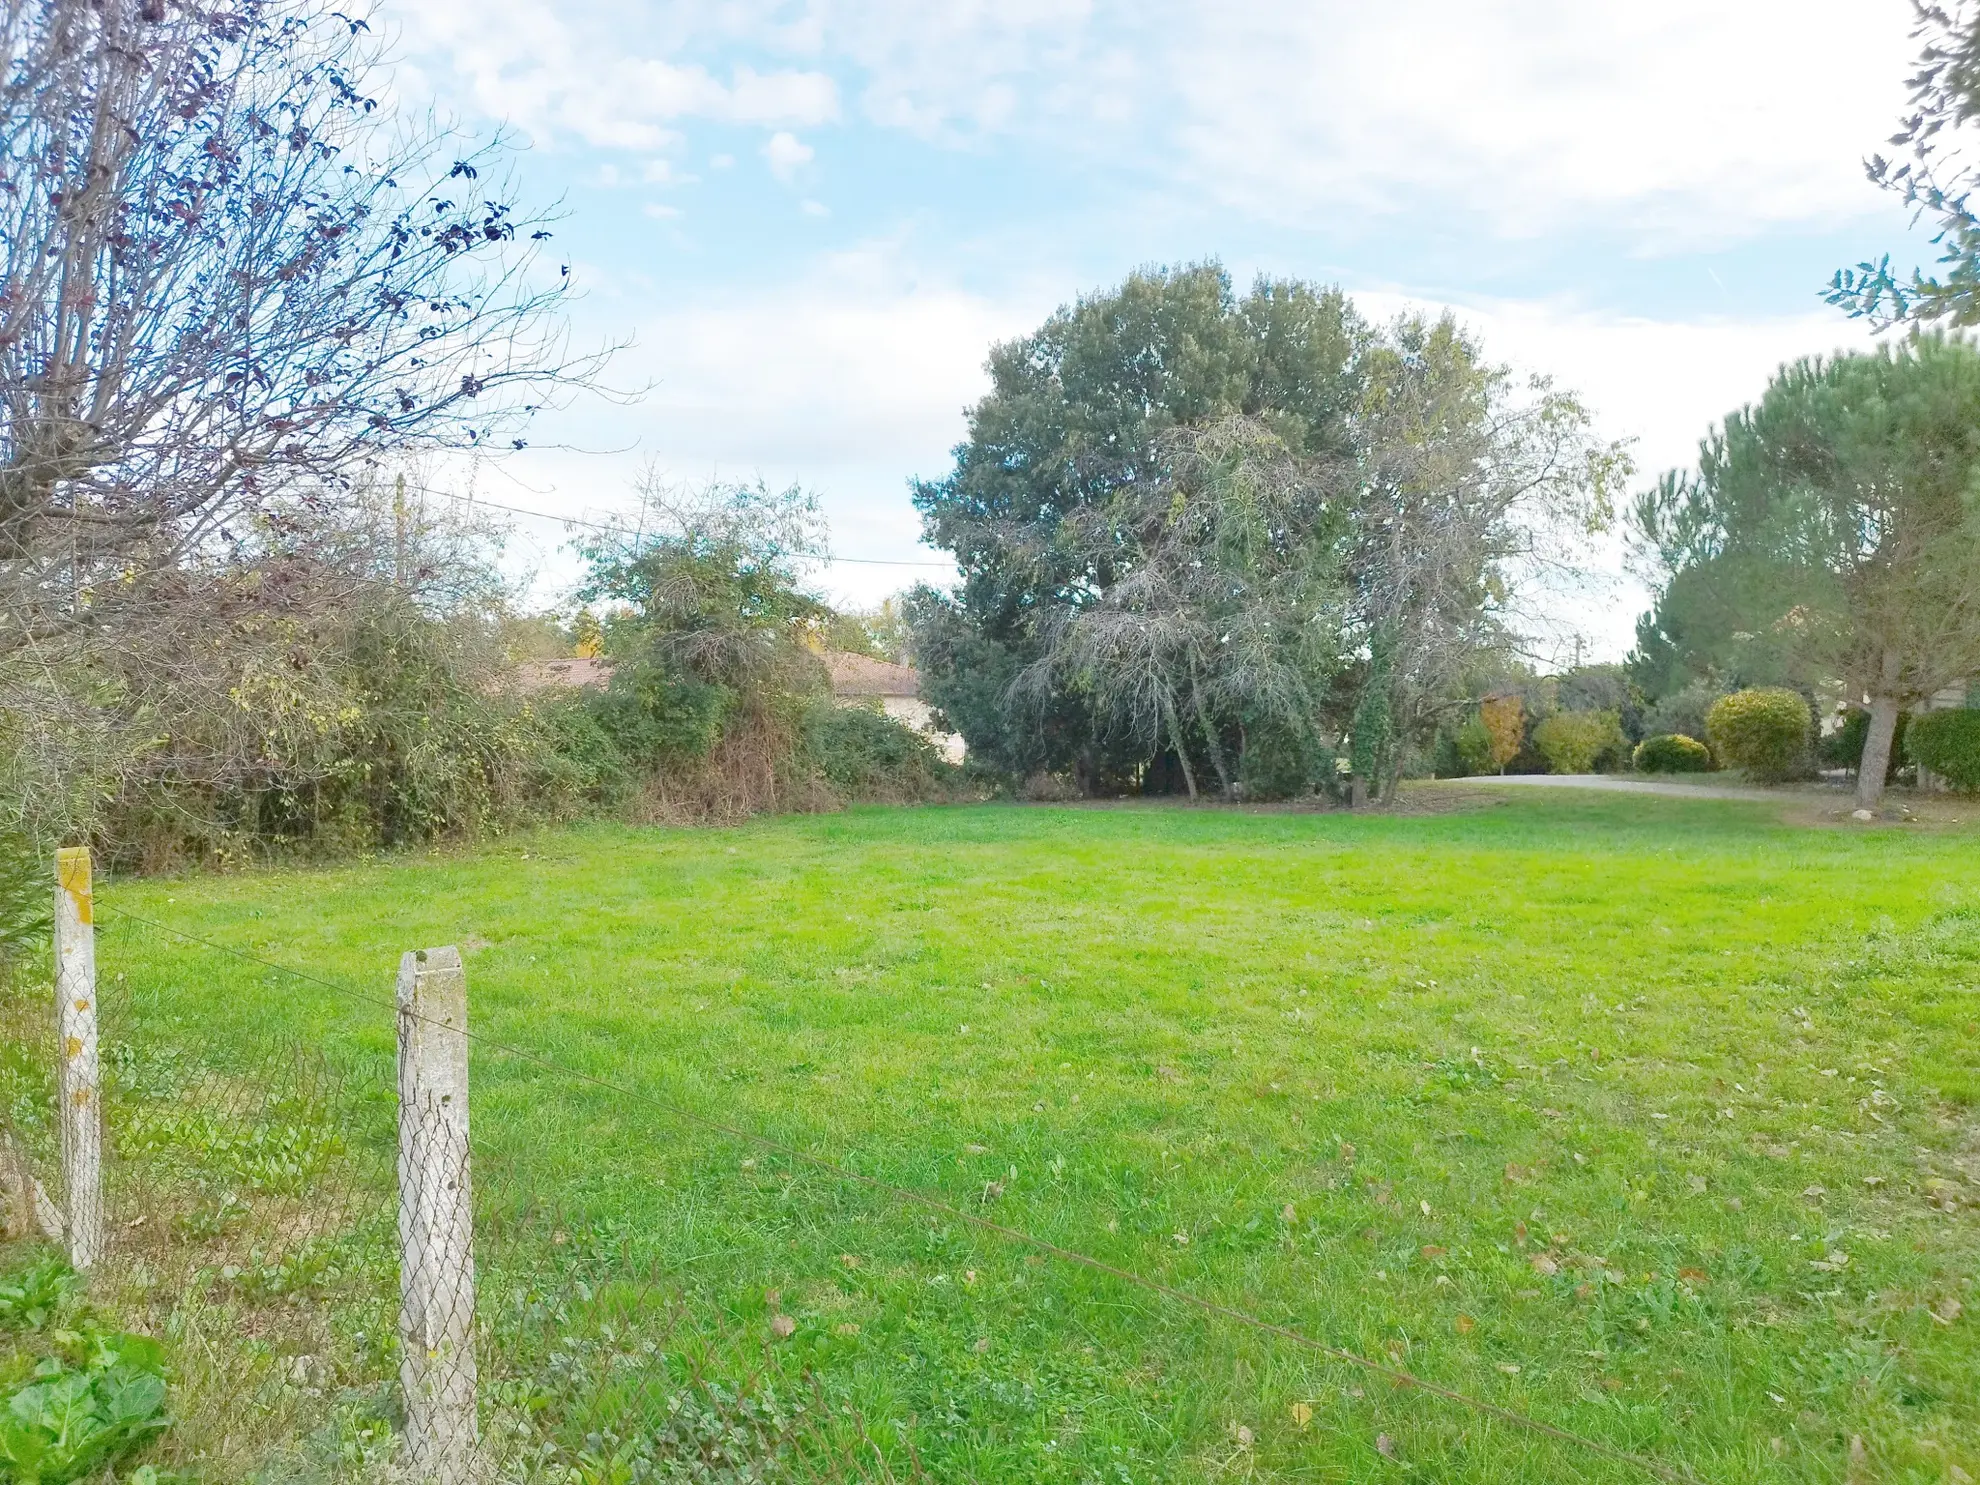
point(1399, 1376)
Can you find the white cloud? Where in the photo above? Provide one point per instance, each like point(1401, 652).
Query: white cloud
point(787, 154)
point(1688, 120)
point(603, 75)
point(666, 173)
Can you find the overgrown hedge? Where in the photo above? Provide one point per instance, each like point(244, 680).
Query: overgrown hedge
point(1948, 743)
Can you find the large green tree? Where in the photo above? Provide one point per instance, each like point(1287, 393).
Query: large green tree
point(1112, 563)
point(1835, 526)
point(1075, 415)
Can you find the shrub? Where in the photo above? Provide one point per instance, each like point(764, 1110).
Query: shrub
point(1682, 713)
point(1279, 762)
point(864, 753)
point(1572, 741)
point(1948, 743)
point(1672, 752)
point(1763, 730)
point(1843, 748)
point(656, 714)
point(1504, 721)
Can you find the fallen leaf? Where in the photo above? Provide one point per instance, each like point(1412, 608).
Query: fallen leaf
point(1182, 1240)
point(1696, 1183)
point(1946, 1310)
point(782, 1326)
point(992, 1190)
point(1510, 1368)
point(1544, 1265)
point(849, 1328)
point(1287, 1214)
point(982, 1345)
point(1425, 1206)
point(1301, 1415)
point(1243, 1437)
point(1519, 1233)
point(1431, 1250)
point(849, 1260)
point(771, 1299)
point(1873, 1180)
point(1347, 1153)
point(1693, 1275)
point(1167, 1074)
point(1385, 1446)
point(1466, 1325)
point(976, 1149)
point(1519, 1175)
point(1814, 1193)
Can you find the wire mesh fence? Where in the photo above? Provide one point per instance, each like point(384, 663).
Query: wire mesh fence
point(355, 1285)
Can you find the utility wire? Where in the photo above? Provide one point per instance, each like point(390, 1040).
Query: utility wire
point(1655, 1468)
point(544, 515)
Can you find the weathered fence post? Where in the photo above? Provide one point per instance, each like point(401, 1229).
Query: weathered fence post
point(436, 1220)
point(78, 1075)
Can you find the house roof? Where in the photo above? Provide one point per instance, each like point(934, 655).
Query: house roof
point(587, 672)
point(852, 675)
point(862, 675)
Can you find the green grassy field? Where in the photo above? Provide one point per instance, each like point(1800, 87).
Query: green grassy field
point(1652, 1119)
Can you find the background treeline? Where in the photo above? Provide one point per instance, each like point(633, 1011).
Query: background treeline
point(369, 688)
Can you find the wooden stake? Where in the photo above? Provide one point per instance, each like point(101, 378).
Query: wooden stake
point(79, 1076)
point(436, 1220)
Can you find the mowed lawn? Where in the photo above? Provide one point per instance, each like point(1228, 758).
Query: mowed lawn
point(1651, 1119)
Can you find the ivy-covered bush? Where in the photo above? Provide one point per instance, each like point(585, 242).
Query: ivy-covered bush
point(1572, 742)
point(1280, 762)
point(1672, 752)
point(863, 753)
point(1948, 743)
point(1763, 730)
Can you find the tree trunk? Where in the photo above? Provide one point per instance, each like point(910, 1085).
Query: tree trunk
point(1876, 752)
point(1182, 748)
point(1357, 792)
point(1210, 737)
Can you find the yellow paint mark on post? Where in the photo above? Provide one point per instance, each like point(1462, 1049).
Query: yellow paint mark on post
point(73, 1046)
point(72, 874)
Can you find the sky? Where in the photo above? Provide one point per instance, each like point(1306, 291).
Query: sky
point(808, 220)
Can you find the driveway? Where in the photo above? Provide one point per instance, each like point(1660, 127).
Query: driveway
point(1610, 784)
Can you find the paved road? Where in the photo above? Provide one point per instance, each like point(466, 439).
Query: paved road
point(1647, 786)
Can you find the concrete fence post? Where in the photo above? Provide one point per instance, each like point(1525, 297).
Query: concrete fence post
point(79, 1072)
point(436, 1220)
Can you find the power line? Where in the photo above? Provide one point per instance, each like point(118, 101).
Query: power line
point(1655, 1468)
point(544, 515)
